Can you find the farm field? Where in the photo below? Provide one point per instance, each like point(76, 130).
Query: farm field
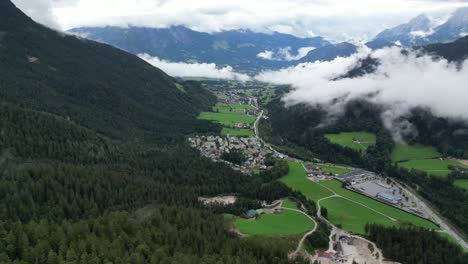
point(411, 152)
point(286, 223)
point(297, 180)
point(378, 206)
point(226, 119)
point(330, 168)
point(346, 139)
point(352, 217)
point(228, 115)
point(232, 108)
point(434, 167)
point(462, 183)
point(289, 204)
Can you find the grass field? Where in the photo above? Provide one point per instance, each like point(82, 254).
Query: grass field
point(227, 119)
point(346, 139)
point(412, 152)
point(462, 183)
point(378, 206)
point(232, 108)
point(434, 167)
point(289, 204)
point(286, 223)
point(228, 115)
point(352, 217)
point(297, 180)
point(333, 169)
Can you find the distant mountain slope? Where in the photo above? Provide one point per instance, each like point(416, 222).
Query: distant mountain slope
point(453, 51)
point(330, 52)
point(237, 48)
point(406, 34)
point(422, 31)
point(455, 27)
point(93, 84)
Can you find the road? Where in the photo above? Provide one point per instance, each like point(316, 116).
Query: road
point(301, 242)
point(435, 217)
point(421, 204)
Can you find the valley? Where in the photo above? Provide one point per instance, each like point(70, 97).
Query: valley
point(348, 210)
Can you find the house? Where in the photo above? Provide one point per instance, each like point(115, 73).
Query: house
point(325, 255)
point(251, 213)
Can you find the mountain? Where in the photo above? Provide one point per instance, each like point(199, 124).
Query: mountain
point(237, 48)
point(420, 31)
point(94, 164)
point(453, 51)
point(330, 52)
point(455, 27)
point(407, 34)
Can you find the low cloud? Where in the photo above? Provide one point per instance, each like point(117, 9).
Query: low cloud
point(208, 70)
point(400, 83)
point(284, 54)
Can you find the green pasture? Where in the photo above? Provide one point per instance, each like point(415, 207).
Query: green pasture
point(351, 216)
point(410, 152)
point(297, 180)
point(434, 167)
point(385, 209)
point(289, 204)
point(346, 139)
point(462, 183)
point(227, 119)
point(286, 223)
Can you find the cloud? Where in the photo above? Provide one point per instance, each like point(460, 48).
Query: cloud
point(180, 69)
point(335, 19)
point(284, 54)
point(400, 83)
point(267, 55)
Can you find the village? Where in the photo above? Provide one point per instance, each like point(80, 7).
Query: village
point(254, 150)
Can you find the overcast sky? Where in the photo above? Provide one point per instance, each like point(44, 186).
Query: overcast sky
point(334, 19)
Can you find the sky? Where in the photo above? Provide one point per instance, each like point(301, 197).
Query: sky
point(337, 20)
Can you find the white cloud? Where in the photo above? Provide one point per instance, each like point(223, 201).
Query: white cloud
point(421, 34)
point(180, 69)
point(284, 54)
point(334, 19)
point(400, 83)
point(267, 55)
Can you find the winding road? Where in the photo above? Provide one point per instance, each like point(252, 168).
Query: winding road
point(446, 228)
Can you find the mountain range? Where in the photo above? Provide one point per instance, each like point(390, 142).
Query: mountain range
point(421, 30)
point(241, 49)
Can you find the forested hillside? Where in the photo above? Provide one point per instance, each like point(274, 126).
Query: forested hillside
point(93, 162)
point(302, 128)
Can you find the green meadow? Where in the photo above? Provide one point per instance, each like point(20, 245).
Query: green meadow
point(346, 139)
point(385, 209)
point(228, 115)
point(352, 217)
point(289, 204)
point(433, 167)
point(462, 183)
point(411, 152)
point(297, 180)
point(330, 168)
point(286, 223)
